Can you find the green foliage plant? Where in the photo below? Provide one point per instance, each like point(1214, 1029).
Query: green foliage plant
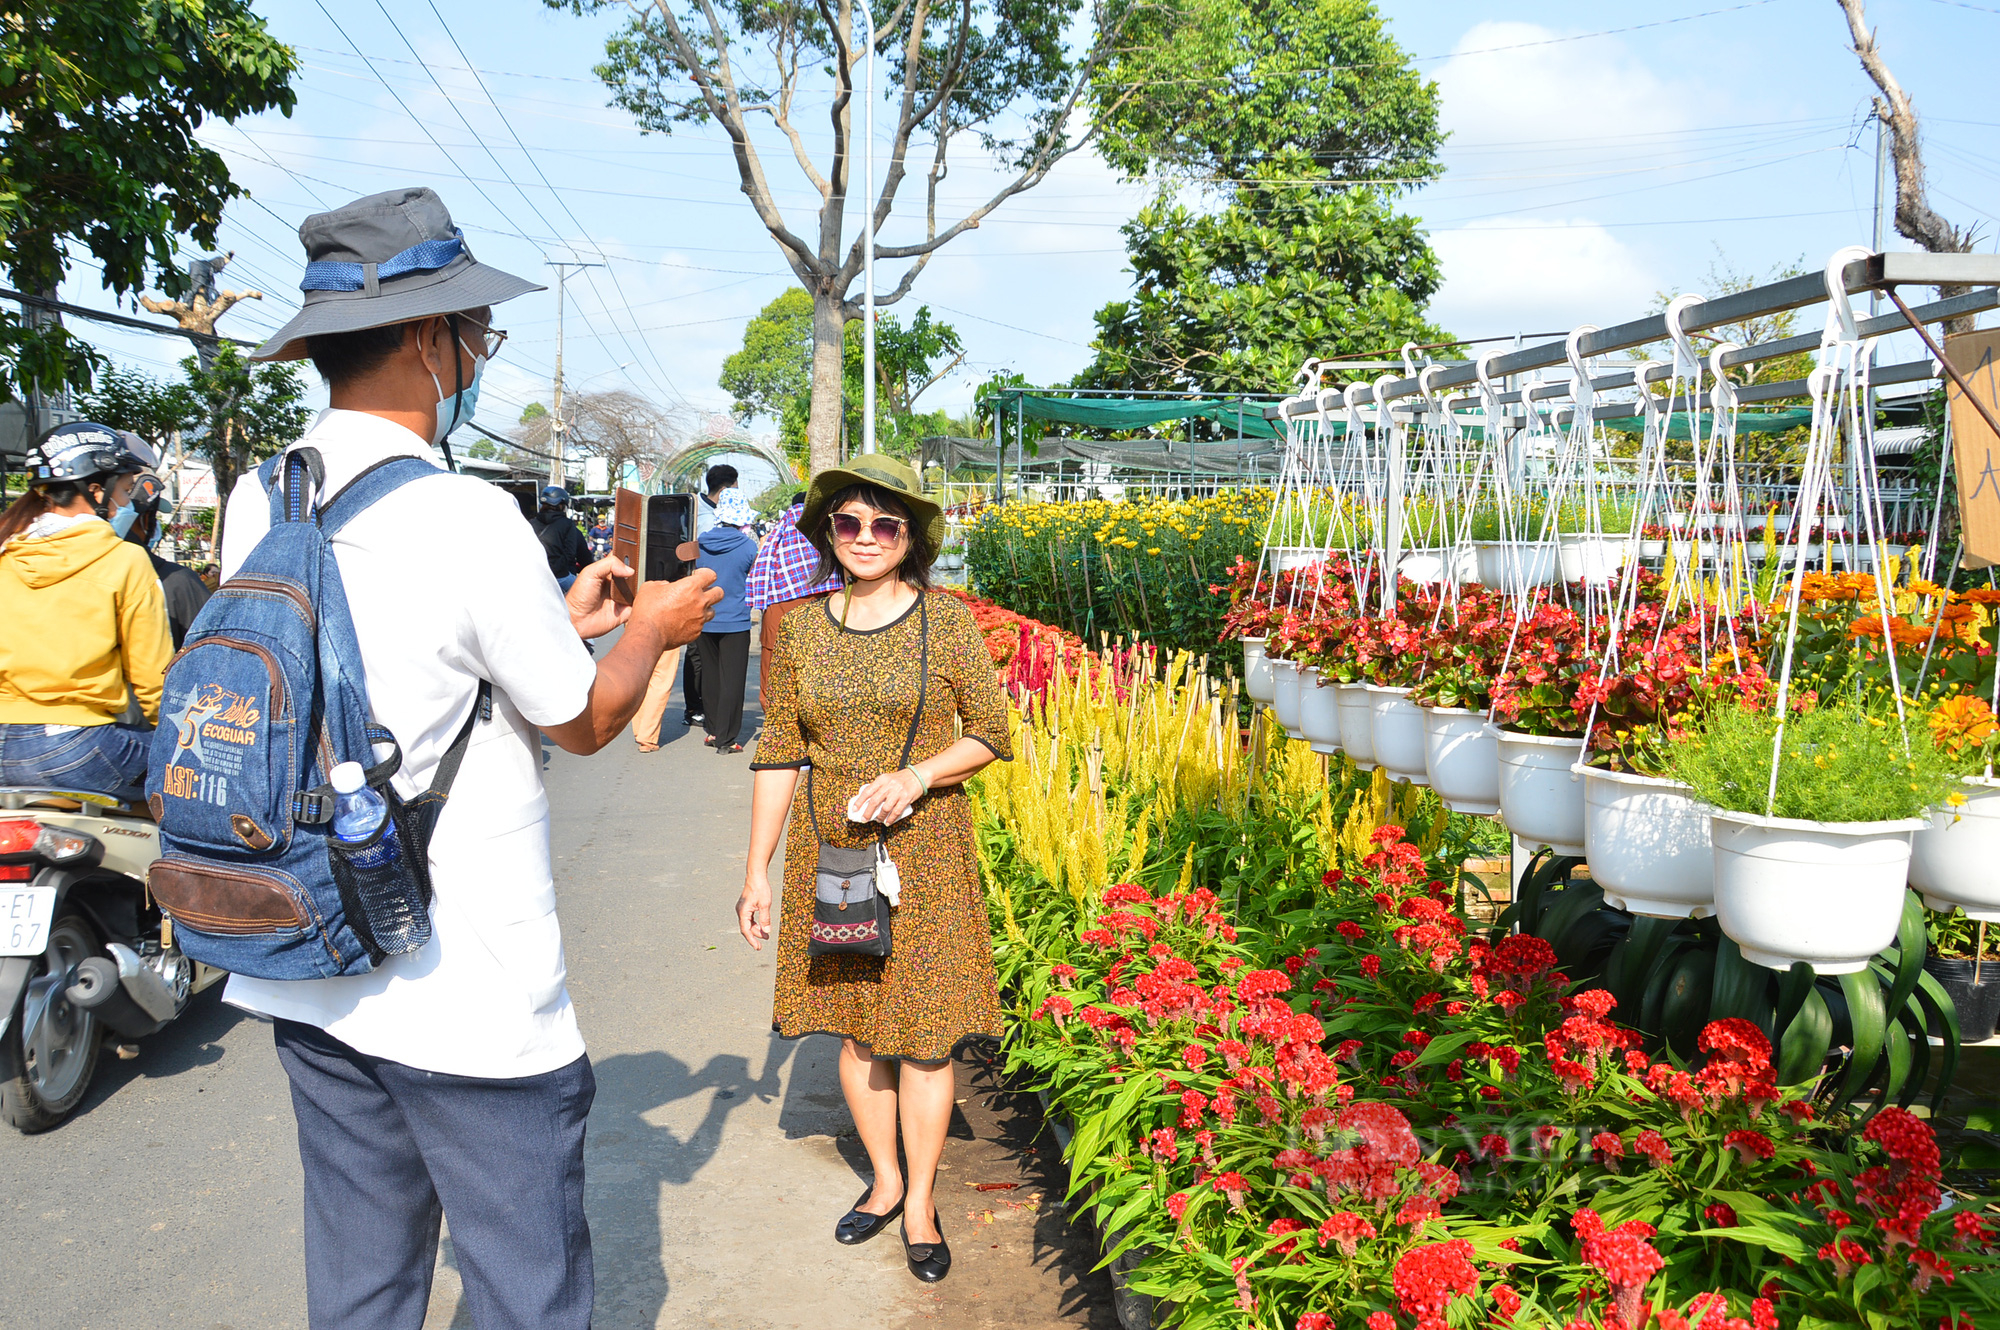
point(1842, 761)
point(98, 152)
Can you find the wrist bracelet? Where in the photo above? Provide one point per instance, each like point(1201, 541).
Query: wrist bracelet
point(920, 779)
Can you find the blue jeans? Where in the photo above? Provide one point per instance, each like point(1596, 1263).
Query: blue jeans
point(97, 759)
point(389, 1150)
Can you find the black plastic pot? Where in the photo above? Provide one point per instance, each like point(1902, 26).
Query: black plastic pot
point(1978, 1004)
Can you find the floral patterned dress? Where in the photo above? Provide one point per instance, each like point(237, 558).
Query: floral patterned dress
point(841, 701)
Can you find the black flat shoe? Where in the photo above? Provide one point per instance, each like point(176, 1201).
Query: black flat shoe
point(857, 1225)
point(928, 1261)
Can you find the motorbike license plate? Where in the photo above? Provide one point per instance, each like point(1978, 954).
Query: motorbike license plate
point(24, 920)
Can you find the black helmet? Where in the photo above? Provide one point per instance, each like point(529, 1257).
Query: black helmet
point(82, 451)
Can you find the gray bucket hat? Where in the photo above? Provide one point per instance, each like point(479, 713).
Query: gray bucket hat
point(388, 258)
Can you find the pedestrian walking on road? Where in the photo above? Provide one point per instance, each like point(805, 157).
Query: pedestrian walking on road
point(84, 620)
point(785, 575)
point(884, 693)
point(727, 550)
point(450, 1083)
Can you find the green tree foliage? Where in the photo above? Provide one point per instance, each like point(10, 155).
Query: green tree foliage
point(1218, 89)
point(244, 412)
point(151, 408)
point(775, 364)
point(99, 103)
point(1307, 119)
point(1236, 300)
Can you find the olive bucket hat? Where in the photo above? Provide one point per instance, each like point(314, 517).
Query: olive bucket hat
point(388, 258)
point(885, 473)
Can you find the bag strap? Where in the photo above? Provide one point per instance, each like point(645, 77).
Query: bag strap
point(314, 807)
point(378, 481)
point(916, 719)
point(280, 477)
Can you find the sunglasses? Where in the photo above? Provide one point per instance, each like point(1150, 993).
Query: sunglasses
point(847, 528)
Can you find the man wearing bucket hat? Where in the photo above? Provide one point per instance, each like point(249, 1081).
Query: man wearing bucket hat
point(450, 1082)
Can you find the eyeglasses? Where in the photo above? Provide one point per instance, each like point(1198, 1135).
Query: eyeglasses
point(847, 528)
point(490, 337)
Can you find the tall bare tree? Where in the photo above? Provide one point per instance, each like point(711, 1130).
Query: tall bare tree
point(1001, 70)
point(1916, 220)
point(619, 426)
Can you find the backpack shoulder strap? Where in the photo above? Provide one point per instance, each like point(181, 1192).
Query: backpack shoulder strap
point(285, 480)
point(382, 479)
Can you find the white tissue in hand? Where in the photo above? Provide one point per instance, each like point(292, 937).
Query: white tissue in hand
point(854, 813)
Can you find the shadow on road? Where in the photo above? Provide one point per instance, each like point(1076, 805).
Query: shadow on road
point(194, 1040)
point(631, 1157)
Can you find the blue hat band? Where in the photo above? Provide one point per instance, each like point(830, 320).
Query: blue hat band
point(426, 256)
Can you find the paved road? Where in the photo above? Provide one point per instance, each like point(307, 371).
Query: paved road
point(716, 1167)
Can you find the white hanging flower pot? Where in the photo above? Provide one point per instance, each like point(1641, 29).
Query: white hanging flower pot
point(1257, 678)
point(1399, 734)
point(1457, 564)
point(1514, 565)
point(1955, 859)
point(1319, 712)
point(1357, 723)
point(1286, 558)
point(1541, 799)
point(1591, 558)
point(1462, 759)
point(1286, 703)
point(1826, 893)
point(1647, 842)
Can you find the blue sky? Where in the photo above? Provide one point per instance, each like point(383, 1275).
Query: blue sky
point(1601, 153)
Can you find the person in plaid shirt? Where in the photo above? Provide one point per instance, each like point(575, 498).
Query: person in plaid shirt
point(780, 581)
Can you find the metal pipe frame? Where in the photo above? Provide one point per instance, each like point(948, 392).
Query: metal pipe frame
point(1867, 274)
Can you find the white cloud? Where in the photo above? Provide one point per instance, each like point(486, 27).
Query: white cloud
point(1537, 275)
point(1587, 90)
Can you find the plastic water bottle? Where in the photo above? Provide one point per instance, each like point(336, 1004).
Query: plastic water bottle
point(388, 891)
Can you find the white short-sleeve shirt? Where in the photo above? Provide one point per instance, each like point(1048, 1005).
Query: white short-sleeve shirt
point(487, 996)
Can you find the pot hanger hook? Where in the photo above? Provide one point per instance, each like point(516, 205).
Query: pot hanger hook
point(1723, 393)
point(1426, 378)
point(1686, 359)
point(1409, 360)
point(1352, 396)
point(1649, 405)
point(1840, 312)
point(1306, 376)
point(1489, 391)
point(1381, 394)
point(1580, 390)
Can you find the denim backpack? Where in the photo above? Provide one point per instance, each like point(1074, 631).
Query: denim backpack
point(265, 698)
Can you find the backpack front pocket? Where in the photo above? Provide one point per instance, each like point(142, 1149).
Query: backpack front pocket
point(224, 760)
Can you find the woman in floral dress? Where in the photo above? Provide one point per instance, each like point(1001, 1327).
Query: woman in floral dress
point(843, 693)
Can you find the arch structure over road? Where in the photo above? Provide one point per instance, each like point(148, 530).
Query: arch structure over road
point(685, 467)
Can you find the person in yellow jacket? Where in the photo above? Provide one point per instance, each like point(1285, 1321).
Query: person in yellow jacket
point(82, 619)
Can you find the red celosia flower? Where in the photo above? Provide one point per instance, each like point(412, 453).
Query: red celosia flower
point(1720, 1215)
point(1193, 1056)
point(1505, 1303)
point(1971, 1230)
point(1430, 1275)
point(1522, 954)
point(1384, 1131)
point(1315, 1320)
point(1627, 1259)
point(1371, 965)
point(1418, 1211)
point(1056, 1005)
point(1930, 1266)
point(1749, 1145)
point(1232, 1185)
point(1381, 1321)
point(1738, 1041)
point(1244, 1300)
point(1282, 1226)
point(1846, 1256)
point(1507, 999)
point(1607, 1149)
point(1594, 1002)
point(1347, 1229)
point(1063, 973)
point(1177, 1205)
point(1493, 1146)
point(1763, 1316)
point(1165, 1145)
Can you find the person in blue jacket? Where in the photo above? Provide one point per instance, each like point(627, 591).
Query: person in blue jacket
point(727, 549)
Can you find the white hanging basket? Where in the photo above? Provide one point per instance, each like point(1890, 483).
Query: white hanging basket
point(1286, 703)
point(1588, 558)
point(1647, 843)
point(1826, 893)
point(1462, 759)
point(1541, 799)
point(1399, 734)
point(1955, 859)
point(1357, 723)
point(1257, 678)
point(1319, 712)
point(1287, 558)
point(1457, 564)
point(1513, 566)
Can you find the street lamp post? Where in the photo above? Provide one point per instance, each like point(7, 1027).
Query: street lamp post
point(868, 243)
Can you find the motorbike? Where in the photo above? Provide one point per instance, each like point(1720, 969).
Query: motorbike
point(86, 956)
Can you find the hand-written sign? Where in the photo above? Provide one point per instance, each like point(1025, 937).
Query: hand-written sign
point(1975, 447)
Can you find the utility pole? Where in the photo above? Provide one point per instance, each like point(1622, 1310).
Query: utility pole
point(558, 427)
point(868, 242)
